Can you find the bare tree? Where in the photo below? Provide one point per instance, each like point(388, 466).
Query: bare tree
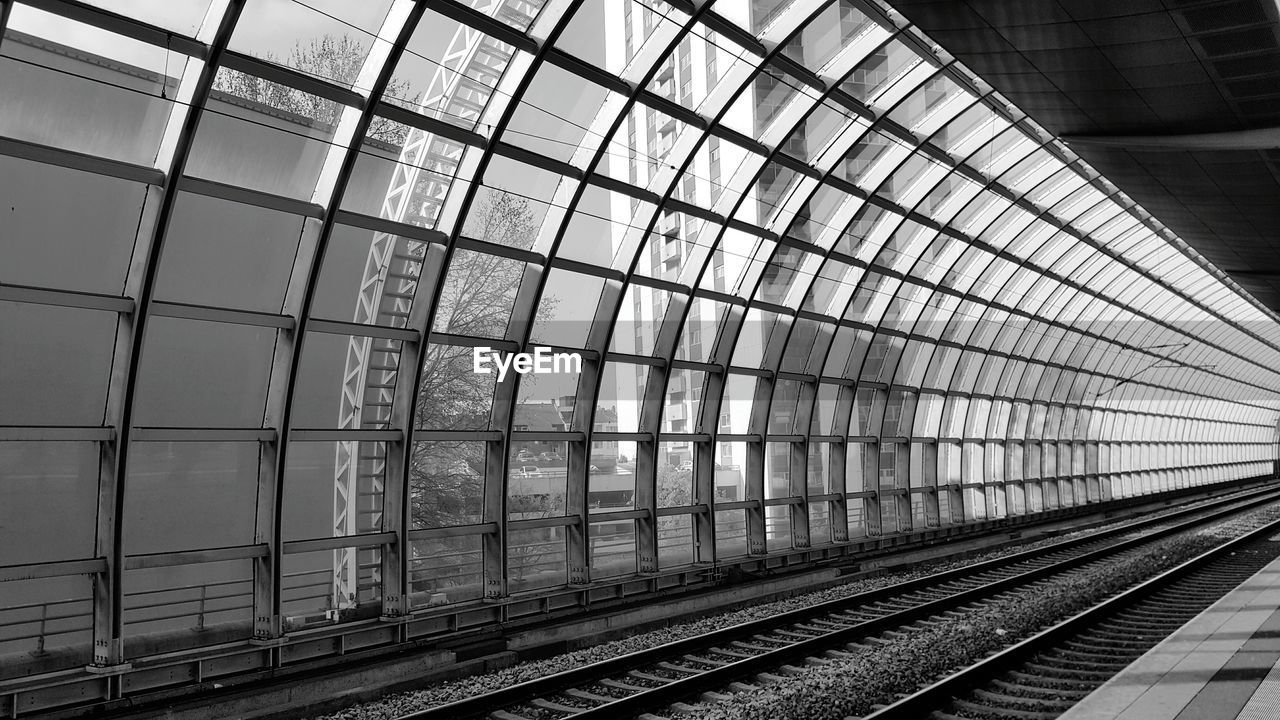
point(336, 58)
point(446, 479)
point(476, 300)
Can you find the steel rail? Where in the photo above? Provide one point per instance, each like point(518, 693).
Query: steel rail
point(481, 705)
point(921, 703)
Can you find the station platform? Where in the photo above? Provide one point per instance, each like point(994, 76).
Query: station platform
point(1223, 664)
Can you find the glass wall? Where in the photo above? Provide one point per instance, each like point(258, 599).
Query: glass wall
point(314, 313)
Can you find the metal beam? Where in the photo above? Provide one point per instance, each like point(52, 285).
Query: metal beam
point(1267, 138)
point(269, 594)
point(5, 7)
point(494, 548)
point(35, 571)
point(56, 434)
point(108, 625)
point(65, 298)
point(50, 155)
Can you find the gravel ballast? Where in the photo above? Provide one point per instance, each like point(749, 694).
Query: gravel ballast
point(874, 674)
point(397, 704)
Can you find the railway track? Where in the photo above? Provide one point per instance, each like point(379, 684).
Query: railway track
point(659, 677)
point(1043, 676)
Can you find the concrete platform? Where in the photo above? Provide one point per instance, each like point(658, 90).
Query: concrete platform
point(1223, 664)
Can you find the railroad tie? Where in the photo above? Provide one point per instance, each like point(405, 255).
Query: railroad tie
point(549, 705)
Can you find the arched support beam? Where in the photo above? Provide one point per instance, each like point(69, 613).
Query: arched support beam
point(1252, 139)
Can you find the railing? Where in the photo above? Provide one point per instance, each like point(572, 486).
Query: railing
point(200, 604)
point(37, 627)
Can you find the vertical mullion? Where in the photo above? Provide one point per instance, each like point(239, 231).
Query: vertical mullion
point(704, 493)
point(108, 627)
point(269, 626)
point(397, 488)
point(801, 531)
point(646, 474)
point(840, 464)
point(5, 7)
point(704, 538)
point(577, 478)
point(798, 460)
point(838, 509)
point(267, 569)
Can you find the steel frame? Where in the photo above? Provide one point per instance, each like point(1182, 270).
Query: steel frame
point(402, 281)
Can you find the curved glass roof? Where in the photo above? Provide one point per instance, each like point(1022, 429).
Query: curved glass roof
point(805, 280)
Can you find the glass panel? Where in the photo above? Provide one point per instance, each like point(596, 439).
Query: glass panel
point(181, 16)
point(827, 34)
point(640, 319)
point(730, 471)
point(611, 481)
point(857, 515)
point(445, 570)
point(394, 156)
point(683, 404)
point(114, 106)
point(190, 496)
point(618, 402)
point(740, 260)
point(201, 374)
point(675, 474)
point(810, 138)
point(785, 278)
point(424, 80)
point(731, 533)
point(701, 327)
point(478, 295)
point(754, 336)
point(46, 614)
point(536, 558)
point(604, 226)
point(879, 70)
point(912, 112)
point(782, 414)
point(558, 112)
point(226, 254)
point(330, 38)
point(567, 308)
point(536, 480)
point(49, 242)
point(858, 477)
point(57, 373)
point(40, 481)
point(675, 540)
point(612, 548)
point(864, 156)
point(819, 469)
point(975, 126)
point(452, 396)
point(354, 258)
point(279, 151)
point(178, 603)
point(677, 245)
point(309, 594)
point(585, 37)
point(333, 489)
point(332, 368)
